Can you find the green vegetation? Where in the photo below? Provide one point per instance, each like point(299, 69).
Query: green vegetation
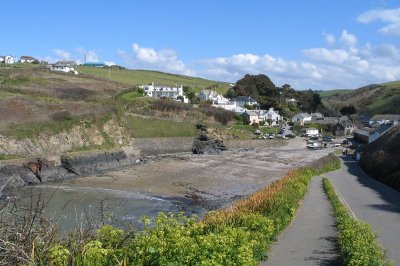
point(373, 99)
point(152, 127)
point(32, 130)
point(358, 243)
point(9, 156)
point(134, 77)
point(325, 94)
point(237, 235)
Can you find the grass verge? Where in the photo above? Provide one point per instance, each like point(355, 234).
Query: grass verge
point(358, 243)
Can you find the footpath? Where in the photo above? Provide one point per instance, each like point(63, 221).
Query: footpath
point(372, 202)
point(311, 239)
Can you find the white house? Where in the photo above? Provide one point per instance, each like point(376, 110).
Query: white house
point(161, 91)
point(65, 66)
point(251, 117)
point(27, 59)
point(245, 100)
point(8, 59)
point(207, 95)
point(301, 118)
point(271, 116)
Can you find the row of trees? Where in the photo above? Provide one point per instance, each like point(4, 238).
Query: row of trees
point(261, 88)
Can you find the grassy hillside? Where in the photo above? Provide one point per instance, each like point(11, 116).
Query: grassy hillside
point(36, 103)
point(374, 99)
point(134, 77)
point(31, 94)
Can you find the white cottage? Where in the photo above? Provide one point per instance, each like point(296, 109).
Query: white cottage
point(27, 59)
point(271, 117)
point(65, 66)
point(8, 59)
point(301, 118)
point(160, 91)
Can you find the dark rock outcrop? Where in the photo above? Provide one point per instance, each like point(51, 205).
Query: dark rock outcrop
point(381, 158)
point(18, 174)
point(205, 145)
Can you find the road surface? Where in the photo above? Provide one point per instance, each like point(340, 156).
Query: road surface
point(311, 239)
point(372, 202)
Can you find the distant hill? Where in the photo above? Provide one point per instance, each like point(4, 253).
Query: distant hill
point(373, 99)
point(381, 158)
point(134, 77)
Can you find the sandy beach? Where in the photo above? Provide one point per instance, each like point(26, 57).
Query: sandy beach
point(213, 180)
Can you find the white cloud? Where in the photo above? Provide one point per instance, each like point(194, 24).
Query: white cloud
point(62, 55)
point(390, 16)
point(321, 68)
point(330, 39)
point(162, 60)
point(109, 63)
point(348, 39)
point(87, 55)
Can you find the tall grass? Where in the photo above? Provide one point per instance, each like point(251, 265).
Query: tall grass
point(358, 243)
point(280, 200)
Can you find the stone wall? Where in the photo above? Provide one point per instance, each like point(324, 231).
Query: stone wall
point(153, 146)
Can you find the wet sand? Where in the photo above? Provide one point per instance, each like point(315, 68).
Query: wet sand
point(212, 179)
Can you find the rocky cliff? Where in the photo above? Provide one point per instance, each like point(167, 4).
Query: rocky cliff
point(381, 158)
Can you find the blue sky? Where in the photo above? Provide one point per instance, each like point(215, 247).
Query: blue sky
point(317, 44)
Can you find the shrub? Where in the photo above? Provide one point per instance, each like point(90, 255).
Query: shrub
point(61, 115)
point(220, 115)
point(171, 105)
point(358, 243)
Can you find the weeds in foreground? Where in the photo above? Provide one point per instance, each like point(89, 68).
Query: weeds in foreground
point(237, 235)
point(358, 243)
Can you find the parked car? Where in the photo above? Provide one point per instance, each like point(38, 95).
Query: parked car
point(291, 136)
point(271, 136)
point(314, 146)
point(314, 138)
point(327, 139)
point(346, 142)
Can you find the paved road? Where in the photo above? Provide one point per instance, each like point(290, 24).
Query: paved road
point(372, 202)
point(311, 239)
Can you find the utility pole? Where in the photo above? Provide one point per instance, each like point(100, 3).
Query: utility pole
point(109, 72)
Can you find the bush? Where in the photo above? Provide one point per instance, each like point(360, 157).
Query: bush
point(171, 105)
point(61, 115)
point(358, 243)
point(220, 115)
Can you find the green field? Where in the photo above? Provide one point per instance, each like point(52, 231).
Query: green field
point(374, 99)
point(135, 77)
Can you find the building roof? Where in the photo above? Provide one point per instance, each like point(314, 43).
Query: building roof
point(251, 113)
point(65, 63)
point(244, 99)
point(390, 117)
point(365, 131)
point(382, 129)
point(27, 57)
point(304, 115)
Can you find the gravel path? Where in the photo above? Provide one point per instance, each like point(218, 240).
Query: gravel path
point(371, 202)
point(311, 239)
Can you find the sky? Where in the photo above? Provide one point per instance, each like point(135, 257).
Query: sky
point(309, 44)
